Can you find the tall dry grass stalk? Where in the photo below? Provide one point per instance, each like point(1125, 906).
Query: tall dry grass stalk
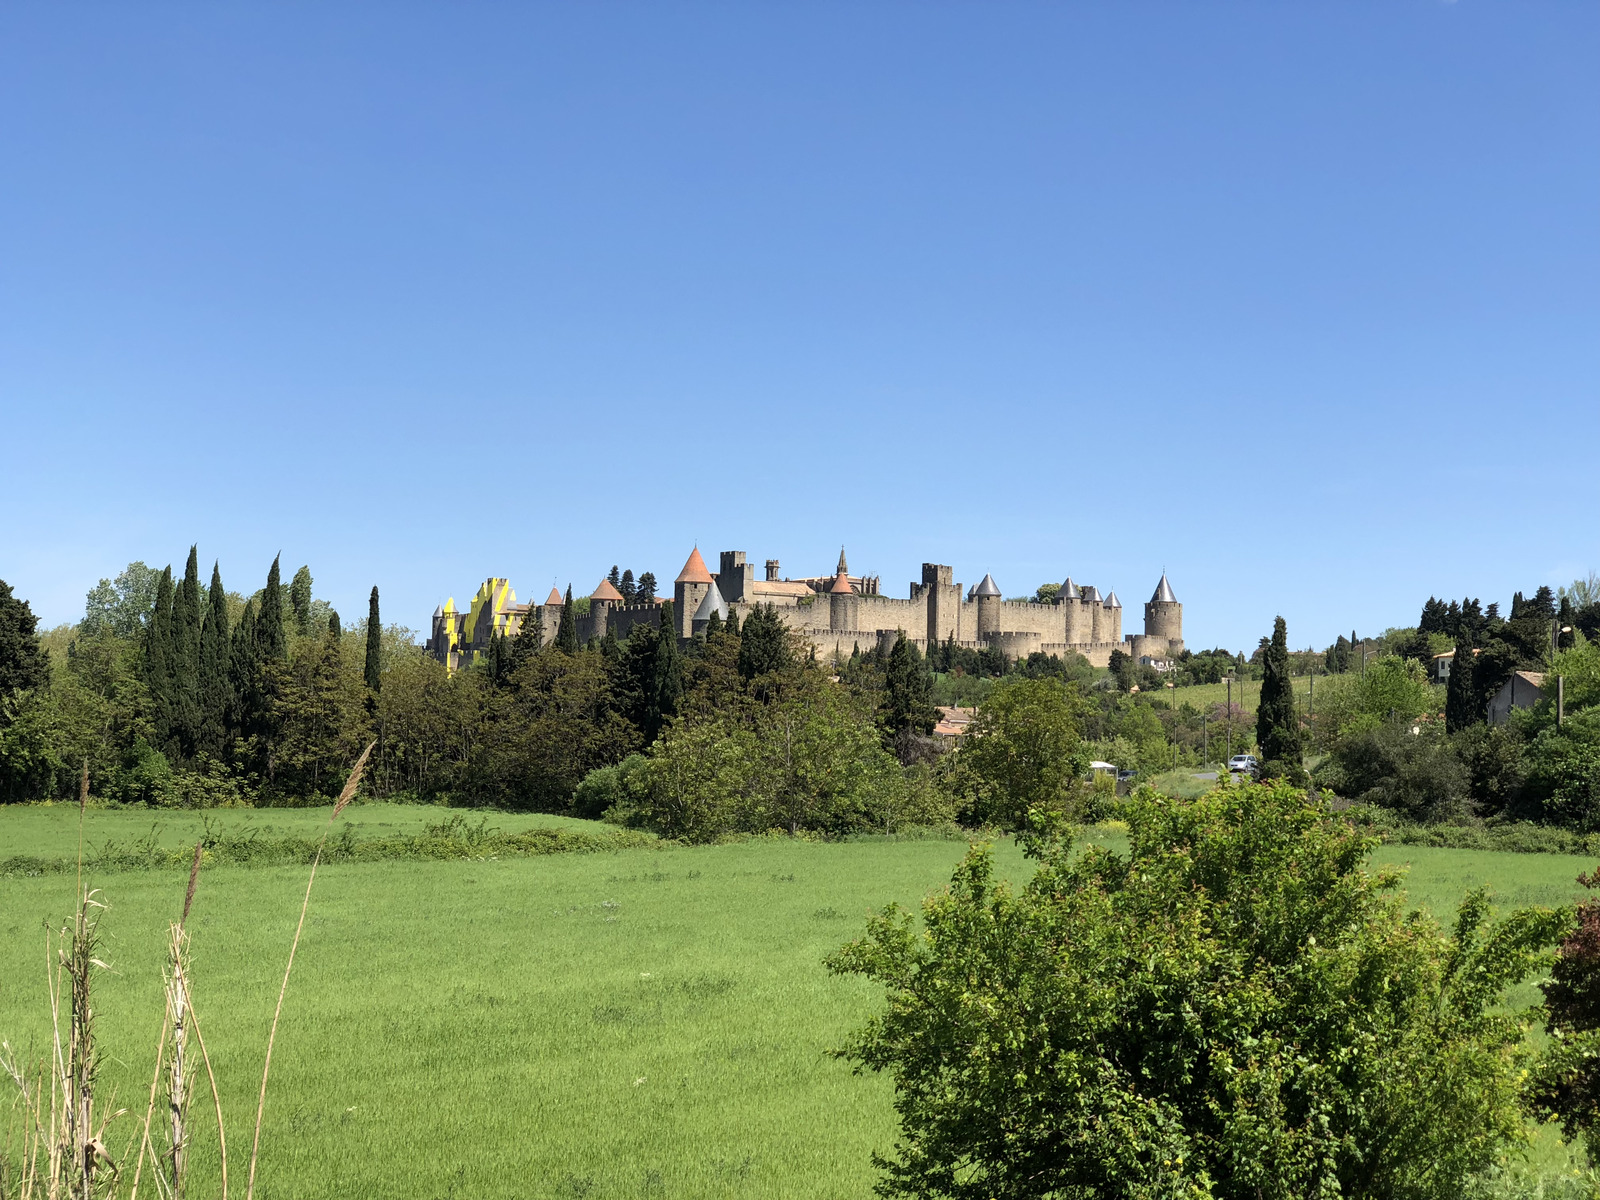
point(345, 795)
point(62, 1153)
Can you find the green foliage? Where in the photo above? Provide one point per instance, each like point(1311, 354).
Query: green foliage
point(23, 663)
point(300, 601)
point(1234, 1008)
point(567, 631)
point(647, 588)
point(1566, 1085)
point(1024, 752)
point(121, 606)
point(271, 643)
point(763, 643)
point(214, 683)
point(159, 667)
point(1277, 718)
point(372, 664)
point(812, 761)
point(907, 698)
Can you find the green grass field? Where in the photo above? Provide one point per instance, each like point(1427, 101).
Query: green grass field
point(640, 1023)
point(1246, 693)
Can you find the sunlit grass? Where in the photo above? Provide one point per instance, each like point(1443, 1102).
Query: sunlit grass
point(642, 1023)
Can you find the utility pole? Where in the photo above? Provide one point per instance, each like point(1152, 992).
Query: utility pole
point(1205, 752)
point(1230, 716)
point(1561, 699)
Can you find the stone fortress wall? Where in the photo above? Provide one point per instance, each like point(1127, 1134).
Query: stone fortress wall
point(837, 615)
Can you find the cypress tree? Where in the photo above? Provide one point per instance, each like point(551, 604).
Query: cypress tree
point(158, 662)
point(372, 672)
point(335, 630)
point(245, 676)
point(1277, 718)
point(713, 625)
point(763, 645)
point(666, 676)
point(271, 644)
point(186, 720)
point(216, 669)
point(732, 625)
point(300, 600)
point(24, 663)
point(1459, 694)
point(908, 692)
point(530, 638)
point(567, 632)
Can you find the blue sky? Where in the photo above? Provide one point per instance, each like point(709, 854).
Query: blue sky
point(1298, 301)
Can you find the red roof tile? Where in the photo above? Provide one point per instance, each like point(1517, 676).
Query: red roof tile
point(606, 592)
point(555, 596)
point(694, 571)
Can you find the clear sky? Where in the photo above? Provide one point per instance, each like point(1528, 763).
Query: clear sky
point(1299, 301)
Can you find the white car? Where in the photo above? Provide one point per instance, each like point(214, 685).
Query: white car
point(1243, 764)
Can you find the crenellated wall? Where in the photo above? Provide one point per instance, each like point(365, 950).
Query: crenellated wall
point(837, 623)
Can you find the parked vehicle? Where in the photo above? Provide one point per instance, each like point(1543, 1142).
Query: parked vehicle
point(1244, 764)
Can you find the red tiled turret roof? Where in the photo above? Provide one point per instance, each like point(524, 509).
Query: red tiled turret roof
point(606, 592)
point(555, 596)
point(841, 585)
point(694, 571)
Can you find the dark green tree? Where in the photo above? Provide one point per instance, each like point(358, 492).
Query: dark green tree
point(627, 587)
point(713, 625)
point(907, 693)
point(1460, 696)
point(615, 577)
point(647, 588)
point(666, 675)
point(1277, 717)
point(529, 640)
point(1566, 618)
point(1337, 658)
point(300, 601)
point(567, 631)
point(732, 624)
point(24, 663)
point(763, 643)
point(271, 643)
point(216, 669)
point(186, 619)
point(158, 670)
point(372, 671)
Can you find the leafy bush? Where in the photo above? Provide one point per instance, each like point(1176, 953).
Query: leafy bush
point(1234, 1008)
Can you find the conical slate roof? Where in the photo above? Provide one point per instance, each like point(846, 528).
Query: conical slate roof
point(1164, 594)
point(438, 612)
point(987, 587)
point(694, 571)
point(1112, 601)
point(1069, 590)
point(554, 597)
point(713, 603)
point(1089, 593)
point(606, 592)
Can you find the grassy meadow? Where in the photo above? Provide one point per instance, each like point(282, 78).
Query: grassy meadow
point(649, 1022)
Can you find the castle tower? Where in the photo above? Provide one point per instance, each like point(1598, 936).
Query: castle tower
point(987, 594)
point(841, 600)
point(688, 590)
point(601, 601)
point(735, 578)
point(1163, 616)
point(713, 603)
point(943, 598)
point(1113, 618)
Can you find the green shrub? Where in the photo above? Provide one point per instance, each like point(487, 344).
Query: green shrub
point(1233, 1008)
